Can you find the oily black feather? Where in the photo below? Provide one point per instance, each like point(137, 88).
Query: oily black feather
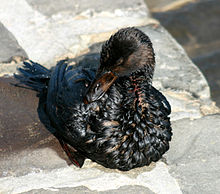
point(33, 75)
point(133, 128)
point(125, 128)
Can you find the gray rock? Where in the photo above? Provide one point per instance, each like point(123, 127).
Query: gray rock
point(194, 155)
point(183, 105)
point(174, 70)
point(46, 39)
point(84, 190)
point(9, 45)
point(22, 133)
point(50, 7)
point(19, 123)
point(155, 178)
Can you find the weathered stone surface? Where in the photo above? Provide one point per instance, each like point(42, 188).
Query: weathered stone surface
point(21, 130)
point(173, 66)
point(93, 176)
point(75, 7)
point(174, 71)
point(19, 123)
point(83, 190)
point(48, 38)
point(9, 45)
point(194, 154)
point(183, 105)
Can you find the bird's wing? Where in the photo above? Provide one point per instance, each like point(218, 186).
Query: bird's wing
point(162, 101)
point(66, 89)
point(64, 105)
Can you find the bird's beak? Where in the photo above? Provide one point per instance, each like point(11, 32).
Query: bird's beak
point(99, 86)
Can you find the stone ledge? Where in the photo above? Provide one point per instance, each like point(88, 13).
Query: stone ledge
point(94, 177)
point(194, 154)
point(47, 38)
point(9, 46)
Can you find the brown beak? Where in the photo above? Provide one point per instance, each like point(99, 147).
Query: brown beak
point(99, 86)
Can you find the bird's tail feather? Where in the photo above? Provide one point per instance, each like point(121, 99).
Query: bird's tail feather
point(33, 75)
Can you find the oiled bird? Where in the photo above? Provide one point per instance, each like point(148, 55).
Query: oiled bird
point(111, 115)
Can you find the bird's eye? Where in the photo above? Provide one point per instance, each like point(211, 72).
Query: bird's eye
point(119, 61)
point(97, 87)
point(86, 84)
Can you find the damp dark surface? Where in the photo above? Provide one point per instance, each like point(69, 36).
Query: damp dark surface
point(20, 127)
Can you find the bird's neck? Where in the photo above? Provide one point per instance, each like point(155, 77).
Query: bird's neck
point(133, 88)
point(144, 75)
point(136, 82)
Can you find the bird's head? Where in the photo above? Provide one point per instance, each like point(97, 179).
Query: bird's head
point(127, 51)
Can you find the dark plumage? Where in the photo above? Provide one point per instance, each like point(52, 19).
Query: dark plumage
point(114, 116)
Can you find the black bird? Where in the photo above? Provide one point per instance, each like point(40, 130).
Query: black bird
point(112, 115)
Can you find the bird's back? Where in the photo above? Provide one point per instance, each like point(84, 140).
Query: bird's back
point(120, 132)
point(64, 106)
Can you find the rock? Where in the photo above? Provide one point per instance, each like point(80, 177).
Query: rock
point(183, 105)
point(170, 63)
point(46, 37)
point(194, 154)
point(174, 72)
point(92, 176)
point(21, 130)
point(19, 123)
point(75, 7)
point(9, 46)
point(83, 190)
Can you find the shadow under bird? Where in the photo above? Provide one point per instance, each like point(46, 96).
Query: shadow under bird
point(112, 115)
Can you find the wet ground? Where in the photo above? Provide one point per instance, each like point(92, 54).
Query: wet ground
point(20, 127)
